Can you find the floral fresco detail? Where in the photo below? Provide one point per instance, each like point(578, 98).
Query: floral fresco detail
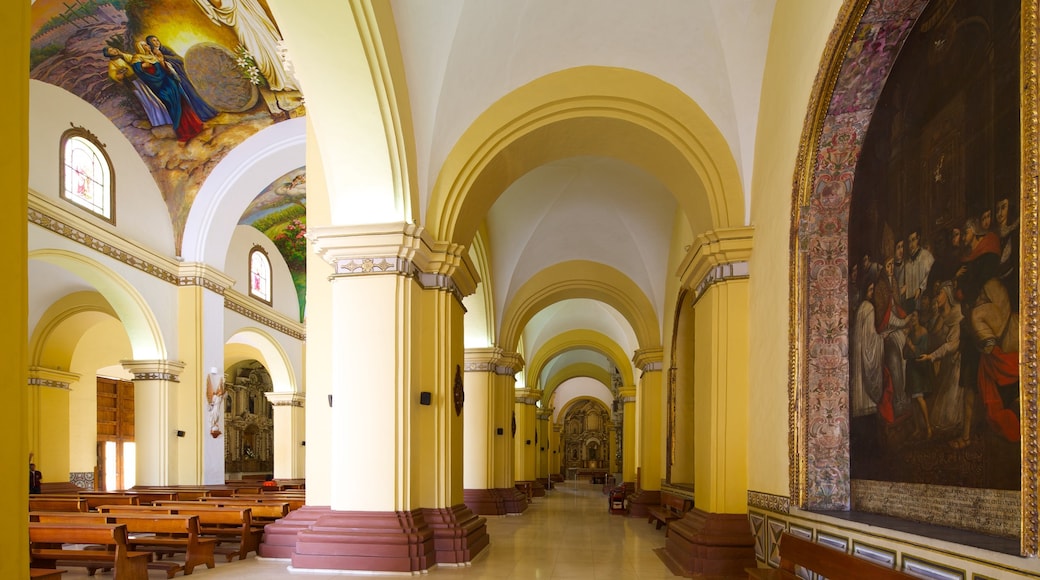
point(280, 213)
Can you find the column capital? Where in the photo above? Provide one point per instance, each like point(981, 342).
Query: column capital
point(154, 370)
point(45, 377)
point(543, 415)
point(200, 274)
point(399, 249)
point(715, 256)
point(649, 359)
point(528, 396)
point(493, 359)
point(286, 399)
point(627, 394)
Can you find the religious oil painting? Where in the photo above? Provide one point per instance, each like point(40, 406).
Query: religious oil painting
point(933, 258)
point(280, 213)
point(185, 80)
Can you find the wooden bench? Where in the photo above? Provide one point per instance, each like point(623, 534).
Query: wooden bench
point(673, 507)
point(156, 532)
point(227, 524)
point(128, 565)
point(823, 560)
point(44, 574)
point(57, 504)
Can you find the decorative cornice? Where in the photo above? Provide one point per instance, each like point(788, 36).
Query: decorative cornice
point(286, 399)
point(492, 359)
point(398, 249)
point(154, 370)
point(769, 502)
point(712, 249)
point(649, 359)
point(627, 394)
point(237, 302)
point(45, 377)
point(528, 396)
point(51, 216)
point(199, 274)
point(45, 213)
point(720, 273)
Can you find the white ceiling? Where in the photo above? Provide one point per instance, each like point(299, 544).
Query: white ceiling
point(461, 56)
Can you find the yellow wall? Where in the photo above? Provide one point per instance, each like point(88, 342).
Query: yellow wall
point(799, 33)
point(14, 178)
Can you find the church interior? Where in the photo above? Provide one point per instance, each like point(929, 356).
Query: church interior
point(755, 269)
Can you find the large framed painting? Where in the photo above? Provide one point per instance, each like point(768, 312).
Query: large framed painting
point(914, 269)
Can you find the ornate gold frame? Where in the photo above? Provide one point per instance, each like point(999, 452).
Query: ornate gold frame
point(846, 25)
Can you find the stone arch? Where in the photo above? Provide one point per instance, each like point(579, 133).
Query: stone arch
point(581, 279)
point(255, 343)
point(123, 298)
point(234, 183)
point(590, 110)
point(576, 339)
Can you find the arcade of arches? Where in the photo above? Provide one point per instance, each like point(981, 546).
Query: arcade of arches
point(543, 241)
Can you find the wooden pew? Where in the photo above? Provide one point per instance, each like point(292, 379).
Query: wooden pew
point(155, 532)
point(45, 574)
point(224, 523)
point(823, 560)
point(39, 503)
point(265, 509)
point(673, 507)
point(128, 565)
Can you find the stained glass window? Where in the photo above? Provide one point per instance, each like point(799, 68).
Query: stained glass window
point(86, 173)
point(259, 275)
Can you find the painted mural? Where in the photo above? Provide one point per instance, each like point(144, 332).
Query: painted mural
point(280, 213)
point(933, 256)
point(185, 80)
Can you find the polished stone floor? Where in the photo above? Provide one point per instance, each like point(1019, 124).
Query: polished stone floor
point(567, 534)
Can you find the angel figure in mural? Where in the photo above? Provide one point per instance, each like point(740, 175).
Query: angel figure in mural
point(256, 33)
point(214, 402)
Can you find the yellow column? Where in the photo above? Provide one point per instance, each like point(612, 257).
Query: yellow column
point(720, 398)
point(289, 433)
point(155, 429)
point(716, 272)
point(49, 422)
point(628, 434)
point(542, 416)
point(505, 408)
point(526, 425)
point(14, 295)
point(555, 459)
point(394, 461)
point(651, 420)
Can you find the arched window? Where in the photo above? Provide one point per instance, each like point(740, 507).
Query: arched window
point(260, 275)
point(87, 179)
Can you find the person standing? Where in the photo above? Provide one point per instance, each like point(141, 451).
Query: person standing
point(35, 479)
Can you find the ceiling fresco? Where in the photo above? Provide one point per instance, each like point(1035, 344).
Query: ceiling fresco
point(280, 213)
point(185, 80)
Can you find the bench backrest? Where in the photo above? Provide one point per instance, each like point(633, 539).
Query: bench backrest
point(830, 562)
point(78, 533)
point(676, 503)
point(58, 504)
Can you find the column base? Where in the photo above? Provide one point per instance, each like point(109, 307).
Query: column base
point(537, 488)
point(711, 544)
point(366, 542)
point(640, 502)
point(484, 502)
point(515, 501)
point(280, 536)
point(458, 534)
